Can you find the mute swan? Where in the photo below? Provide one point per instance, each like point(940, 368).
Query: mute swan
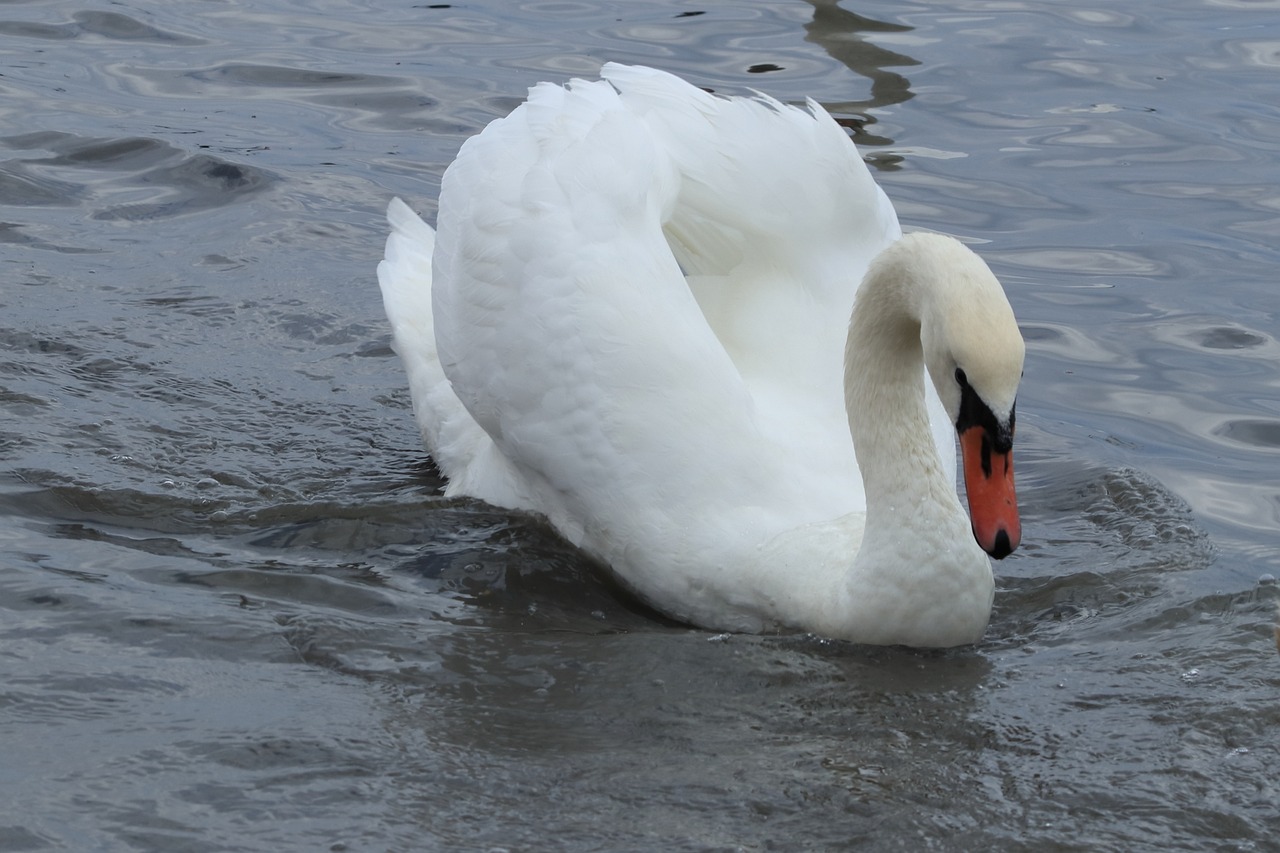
point(632, 320)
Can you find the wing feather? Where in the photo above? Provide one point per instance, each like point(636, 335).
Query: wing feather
point(564, 319)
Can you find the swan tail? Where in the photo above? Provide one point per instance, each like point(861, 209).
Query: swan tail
point(460, 448)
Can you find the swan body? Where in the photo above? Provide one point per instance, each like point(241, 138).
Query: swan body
point(635, 320)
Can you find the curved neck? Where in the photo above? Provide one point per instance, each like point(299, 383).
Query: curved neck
point(885, 393)
point(918, 578)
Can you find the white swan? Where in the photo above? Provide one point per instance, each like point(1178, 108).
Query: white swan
point(632, 321)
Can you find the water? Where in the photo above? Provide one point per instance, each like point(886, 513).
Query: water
point(238, 616)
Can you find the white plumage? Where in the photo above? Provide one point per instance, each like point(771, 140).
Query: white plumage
point(633, 320)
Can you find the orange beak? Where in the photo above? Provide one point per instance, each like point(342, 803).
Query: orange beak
point(993, 503)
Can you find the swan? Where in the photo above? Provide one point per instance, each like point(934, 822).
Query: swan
point(637, 318)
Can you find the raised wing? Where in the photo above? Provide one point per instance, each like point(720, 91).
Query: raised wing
point(565, 323)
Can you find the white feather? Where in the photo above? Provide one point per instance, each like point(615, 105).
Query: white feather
point(632, 320)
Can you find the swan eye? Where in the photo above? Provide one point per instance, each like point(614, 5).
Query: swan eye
point(961, 379)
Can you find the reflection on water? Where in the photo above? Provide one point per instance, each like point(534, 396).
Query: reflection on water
point(238, 615)
point(843, 35)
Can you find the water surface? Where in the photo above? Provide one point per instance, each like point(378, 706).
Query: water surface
point(237, 614)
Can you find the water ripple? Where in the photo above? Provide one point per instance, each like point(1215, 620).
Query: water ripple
point(238, 614)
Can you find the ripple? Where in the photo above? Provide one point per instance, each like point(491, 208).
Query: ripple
point(37, 30)
point(1105, 520)
point(194, 184)
point(1258, 53)
point(87, 167)
point(373, 101)
point(1091, 261)
point(1254, 432)
point(1096, 17)
point(1224, 337)
point(109, 25)
point(19, 186)
point(275, 77)
point(1067, 343)
point(121, 27)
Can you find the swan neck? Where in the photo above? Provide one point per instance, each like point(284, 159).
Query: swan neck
point(885, 390)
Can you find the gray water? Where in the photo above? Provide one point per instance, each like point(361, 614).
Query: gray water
point(238, 616)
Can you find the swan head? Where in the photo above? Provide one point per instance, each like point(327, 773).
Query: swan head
point(974, 354)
